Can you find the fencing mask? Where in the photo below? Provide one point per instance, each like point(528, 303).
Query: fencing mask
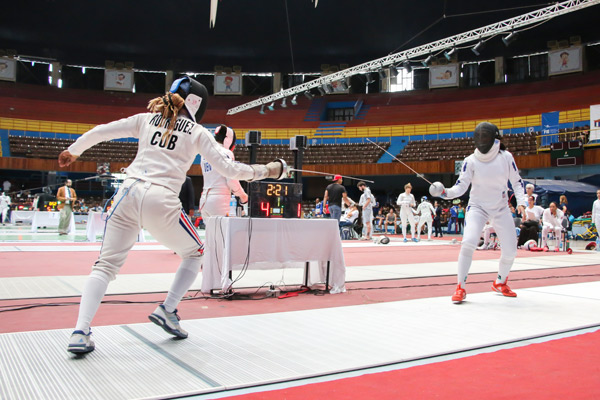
point(195, 95)
point(226, 136)
point(484, 136)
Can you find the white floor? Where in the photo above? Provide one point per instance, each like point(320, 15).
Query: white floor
point(141, 361)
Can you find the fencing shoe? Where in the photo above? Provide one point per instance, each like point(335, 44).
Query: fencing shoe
point(459, 295)
point(81, 343)
point(503, 289)
point(168, 321)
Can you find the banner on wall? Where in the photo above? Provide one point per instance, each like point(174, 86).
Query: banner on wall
point(119, 80)
point(595, 122)
point(8, 69)
point(443, 76)
point(230, 84)
point(550, 128)
point(565, 61)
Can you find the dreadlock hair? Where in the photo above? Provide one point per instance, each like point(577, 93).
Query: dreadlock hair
point(168, 106)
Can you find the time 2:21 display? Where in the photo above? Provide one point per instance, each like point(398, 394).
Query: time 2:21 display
point(275, 200)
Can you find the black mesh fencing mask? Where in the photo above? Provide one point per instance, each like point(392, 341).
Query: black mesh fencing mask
point(484, 136)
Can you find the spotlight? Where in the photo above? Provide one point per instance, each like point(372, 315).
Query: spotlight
point(309, 95)
point(407, 67)
point(449, 54)
point(507, 40)
point(370, 78)
point(393, 71)
point(262, 109)
point(344, 85)
point(328, 88)
point(293, 101)
point(427, 60)
point(283, 103)
point(271, 107)
point(382, 74)
point(321, 91)
point(478, 48)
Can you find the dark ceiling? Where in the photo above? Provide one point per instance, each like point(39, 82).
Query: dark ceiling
point(254, 34)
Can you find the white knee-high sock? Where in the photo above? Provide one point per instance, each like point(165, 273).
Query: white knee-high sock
point(184, 278)
point(93, 292)
point(465, 259)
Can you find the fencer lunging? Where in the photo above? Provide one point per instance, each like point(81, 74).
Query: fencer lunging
point(170, 137)
point(488, 170)
point(406, 201)
point(217, 190)
point(426, 212)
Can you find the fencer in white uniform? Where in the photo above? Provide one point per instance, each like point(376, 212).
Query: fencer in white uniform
point(488, 229)
point(217, 190)
point(406, 201)
point(170, 137)
point(4, 206)
point(426, 212)
point(488, 170)
point(596, 211)
point(552, 222)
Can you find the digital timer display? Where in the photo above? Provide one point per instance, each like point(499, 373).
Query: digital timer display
point(275, 200)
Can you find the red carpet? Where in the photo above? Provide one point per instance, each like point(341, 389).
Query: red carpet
point(559, 369)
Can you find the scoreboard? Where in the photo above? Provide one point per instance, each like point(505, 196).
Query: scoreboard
point(275, 200)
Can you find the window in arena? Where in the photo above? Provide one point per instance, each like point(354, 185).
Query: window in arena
point(402, 82)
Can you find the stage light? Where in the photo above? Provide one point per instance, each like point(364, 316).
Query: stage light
point(294, 100)
point(450, 53)
point(321, 91)
point(393, 71)
point(427, 60)
point(507, 40)
point(271, 107)
point(370, 78)
point(344, 85)
point(283, 103)
point(406, 65)
point(327, 88)
point(262, 109)
point(478, 48)
point(382, 74)
point(309, 95)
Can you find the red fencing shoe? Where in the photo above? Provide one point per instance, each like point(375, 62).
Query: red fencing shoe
point(504, 289)
point(459, 295)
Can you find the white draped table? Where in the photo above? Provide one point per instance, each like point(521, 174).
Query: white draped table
point(95, 226)
point(23, 216)
point(50, 218)
point(274, 244)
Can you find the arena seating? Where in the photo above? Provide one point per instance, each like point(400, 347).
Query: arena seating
point(459, 148)
point(354, 153)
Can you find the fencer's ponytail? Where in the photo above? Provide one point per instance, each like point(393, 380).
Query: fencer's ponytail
point(168, 106)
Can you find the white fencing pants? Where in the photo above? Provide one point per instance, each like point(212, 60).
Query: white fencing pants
point(137, 205)
point(4, 212)
point(547, 228)
point(503, 223)
point(423, 221)
point(214, 205)
point(406, 215)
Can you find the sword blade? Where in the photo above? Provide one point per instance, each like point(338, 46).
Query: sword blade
point(328, 173)
point(401, 162)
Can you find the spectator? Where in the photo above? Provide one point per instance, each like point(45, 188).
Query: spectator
point(407, 201)
point(531, 220)
point(552, 221)
point(6, 185)
point(453, 223)
point(380, 219)
point(596, 210)
point(529, 192)
point(318, 208)
point(437, 220)
point(563, 204)
point(461, 217)
point(334, 194)
point(391, 220)
point(349, 216)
